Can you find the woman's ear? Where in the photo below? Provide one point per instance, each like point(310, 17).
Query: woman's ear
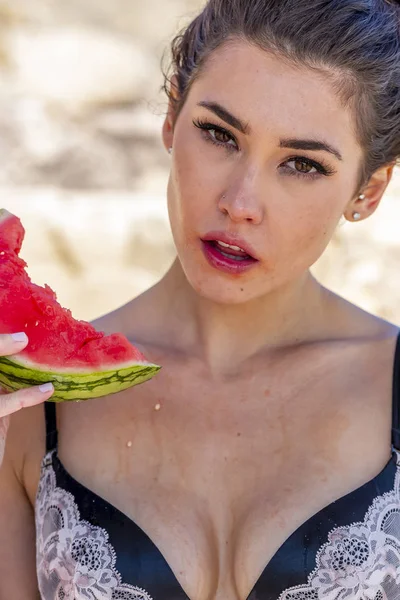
point(367, 203)
point(170, 118)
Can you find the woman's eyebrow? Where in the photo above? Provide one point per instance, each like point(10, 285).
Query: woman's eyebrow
point(226, 116)
point(298, 144)
point(295, 143)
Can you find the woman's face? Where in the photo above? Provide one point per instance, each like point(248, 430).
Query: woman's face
point(265, 158)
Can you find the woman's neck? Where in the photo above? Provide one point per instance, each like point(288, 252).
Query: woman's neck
point(223, 334)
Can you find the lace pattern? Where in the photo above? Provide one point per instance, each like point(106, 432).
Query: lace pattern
point(75, 560)
point(360, 561)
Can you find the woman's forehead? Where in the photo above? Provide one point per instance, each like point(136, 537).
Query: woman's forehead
point(245, 71)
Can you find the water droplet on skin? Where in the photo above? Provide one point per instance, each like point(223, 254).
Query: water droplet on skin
point(129, 444)
point(157, 407)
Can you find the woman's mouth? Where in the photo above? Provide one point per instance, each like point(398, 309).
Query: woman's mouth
point(229, 258)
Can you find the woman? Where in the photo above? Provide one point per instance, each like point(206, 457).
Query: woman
point(263, 461)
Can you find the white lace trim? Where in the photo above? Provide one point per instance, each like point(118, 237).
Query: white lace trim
point(75, 560)
point(360, 561)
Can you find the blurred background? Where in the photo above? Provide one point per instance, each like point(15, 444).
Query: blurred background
point(83, 166)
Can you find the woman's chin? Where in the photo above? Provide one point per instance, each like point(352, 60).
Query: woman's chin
point(222, 292)
point(216, 286)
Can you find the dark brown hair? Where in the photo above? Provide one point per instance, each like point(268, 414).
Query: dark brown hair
point(355, 43)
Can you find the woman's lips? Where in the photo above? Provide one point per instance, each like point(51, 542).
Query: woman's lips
point(225, 259)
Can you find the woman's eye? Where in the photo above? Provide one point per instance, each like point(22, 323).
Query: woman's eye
point(216, 135)
point(301, 166)
point(306, 168)
point(220, 136)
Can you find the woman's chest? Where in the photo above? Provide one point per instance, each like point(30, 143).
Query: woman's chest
point(217, 485)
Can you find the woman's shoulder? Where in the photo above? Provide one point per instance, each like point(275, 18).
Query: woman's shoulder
point(133, 319)
point(353, 322)
point(142, 320)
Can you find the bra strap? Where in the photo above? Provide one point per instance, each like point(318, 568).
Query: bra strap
point(396, 397)
point(51, 426)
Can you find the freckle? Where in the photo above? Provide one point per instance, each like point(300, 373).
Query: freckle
point(157, 407)
point(238, 434)
point(241, 289)
point(129, 444)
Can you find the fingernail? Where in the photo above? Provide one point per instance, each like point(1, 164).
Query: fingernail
point(19, 337)
point(46, 387)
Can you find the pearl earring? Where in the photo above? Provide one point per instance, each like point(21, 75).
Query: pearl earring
point(356, 216)
point(361, 197)
point(170, 150)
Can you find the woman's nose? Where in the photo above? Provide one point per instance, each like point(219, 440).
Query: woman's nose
point(243, 204)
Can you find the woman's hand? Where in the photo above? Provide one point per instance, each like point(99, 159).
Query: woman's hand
point(10, 403)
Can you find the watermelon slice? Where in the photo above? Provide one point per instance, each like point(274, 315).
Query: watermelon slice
point(80, 361)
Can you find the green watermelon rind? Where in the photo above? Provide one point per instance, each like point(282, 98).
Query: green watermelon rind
point(28, 362)
point(74, 386)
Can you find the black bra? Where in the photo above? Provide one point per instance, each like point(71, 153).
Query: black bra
point(353, 542)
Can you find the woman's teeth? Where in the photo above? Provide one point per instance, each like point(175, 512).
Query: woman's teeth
point(236, 254)
point(229, 246)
